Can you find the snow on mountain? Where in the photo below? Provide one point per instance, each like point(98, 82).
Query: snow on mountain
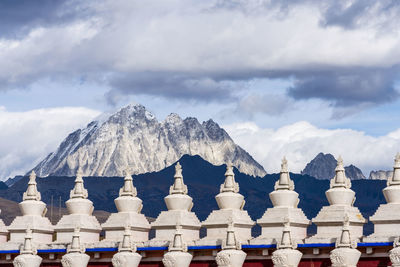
point(133, 138)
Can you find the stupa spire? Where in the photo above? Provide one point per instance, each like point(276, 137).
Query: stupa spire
point(345, 238)
point(31, 192)
point(126, 244)
point(27, 247)
point(284, 182)
point(340, 179)
point(230, 184)
point(177, 243)
point(75, 246)
point(128, 189)
point(395, 179)
point(79, 190)
point(286, 240)
point(178, 187)
point(230, 242)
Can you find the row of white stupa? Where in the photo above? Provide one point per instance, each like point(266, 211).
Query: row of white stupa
point(329, 220)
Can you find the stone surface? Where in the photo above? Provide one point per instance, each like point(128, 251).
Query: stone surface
point(330, 218)
point(80, 211)
point(285, 201)
point(386, 219)
point(394, 254)
point(133, 137)
point(179, 206)
point(33, 216)
point(129, 207)
point(231, 205)
point(345, 254)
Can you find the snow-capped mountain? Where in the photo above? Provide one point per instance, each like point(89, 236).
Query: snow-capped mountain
point(133, 138)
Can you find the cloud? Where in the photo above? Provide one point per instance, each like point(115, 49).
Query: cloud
point(27, 137)
point(347, 88)
point(300, 142)
point(17, 18)
point(352, 14)
point(207, 50)
point(270, 104)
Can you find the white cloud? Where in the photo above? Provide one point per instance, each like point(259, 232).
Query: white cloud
point(27, 137)
point(240, 40)
point(301, 142)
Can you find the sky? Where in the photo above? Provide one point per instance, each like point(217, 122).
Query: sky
point(284, 78)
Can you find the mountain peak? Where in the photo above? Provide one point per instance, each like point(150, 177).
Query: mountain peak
point(132, 112)
point(173, 118)
point(323, 167)
point(133, 137)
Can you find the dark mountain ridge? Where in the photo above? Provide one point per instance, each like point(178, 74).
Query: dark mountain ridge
point(203, 180)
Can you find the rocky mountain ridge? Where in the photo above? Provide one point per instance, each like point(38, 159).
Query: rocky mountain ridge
point(380, 175)
point(134, 137)
point(323, 167)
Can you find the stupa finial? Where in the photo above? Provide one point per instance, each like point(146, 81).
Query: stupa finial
point(79, 190)
point(31, 192)
point(345, 239)
point(230, 184)
point(27, 247)
point(178, 187)
point(128, 189)
point(395, 179)
point(284, 182)
point(340, 179)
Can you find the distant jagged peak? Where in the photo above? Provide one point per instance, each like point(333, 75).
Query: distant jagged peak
point(323, 167)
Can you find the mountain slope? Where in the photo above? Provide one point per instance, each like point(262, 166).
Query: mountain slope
point(323, 167)
point(132, 137)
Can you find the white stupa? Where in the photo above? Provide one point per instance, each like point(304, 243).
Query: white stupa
point(387, 217)
point(129, 207)
point(27, 256)
point(127, 255)
point(231, 205)
point(33, 215)
point(285, 201)
point(80, 211)
point(231, 254)
point(177, 255)
point(179, 206)
point(75, 256)
point(345, 254)
point(341, 198)
point(286, 254)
